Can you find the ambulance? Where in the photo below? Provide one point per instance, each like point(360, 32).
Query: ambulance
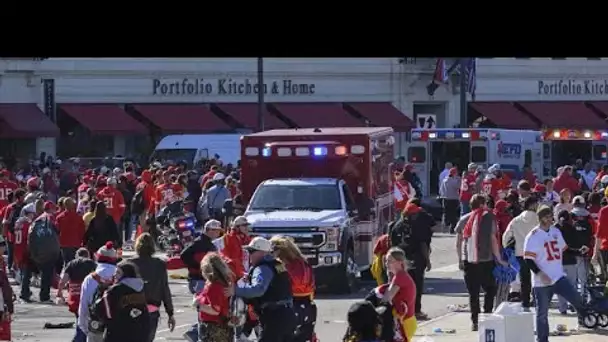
point(564, 146)
point(429, 150)
point(327, 188)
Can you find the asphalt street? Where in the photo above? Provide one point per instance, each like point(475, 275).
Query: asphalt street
point(444, 286)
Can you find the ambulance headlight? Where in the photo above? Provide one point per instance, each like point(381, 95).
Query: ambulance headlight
point(332, 239)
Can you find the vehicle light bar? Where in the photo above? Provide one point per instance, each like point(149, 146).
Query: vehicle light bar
point(425, 135)
point(575, 134)
point(303, 151)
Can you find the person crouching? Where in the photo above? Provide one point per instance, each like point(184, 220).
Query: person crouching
point(363, 323)
point(73, 275)
point(123, 307)
point(212, 305)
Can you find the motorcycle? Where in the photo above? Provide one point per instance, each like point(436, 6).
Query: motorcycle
point(176, 228)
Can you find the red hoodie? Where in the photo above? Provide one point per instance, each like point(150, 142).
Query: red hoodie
point(566, 181)
point(115, 203)
point(502, 217)
point(71, 228)
point(146, 186)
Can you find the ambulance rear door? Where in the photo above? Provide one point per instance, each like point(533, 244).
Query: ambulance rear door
point(599, 153)
point(547, 161)
point(480, 153)
point(418, 155)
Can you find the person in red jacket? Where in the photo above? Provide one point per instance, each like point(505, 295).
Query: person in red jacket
point(601, 244)
point(209, 175)
point(467, 188)
point(565, 180)
point(71, 230)
point(6, 188)
point(147, 188)
point(502, 216)
point(115, 203)
point(403, 191)
point(19, 237)
point(11, 214)
point(231, 245)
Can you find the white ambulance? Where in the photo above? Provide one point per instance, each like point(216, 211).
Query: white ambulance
point(429, 150)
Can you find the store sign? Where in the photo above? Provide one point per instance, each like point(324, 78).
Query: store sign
point(567, 87)
point(229, 87)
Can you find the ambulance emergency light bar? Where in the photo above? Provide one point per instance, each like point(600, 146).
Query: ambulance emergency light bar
point(574, 134)
point(317, 150)
point(473, 135)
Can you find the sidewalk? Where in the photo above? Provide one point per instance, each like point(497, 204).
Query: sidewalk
point(460, 322)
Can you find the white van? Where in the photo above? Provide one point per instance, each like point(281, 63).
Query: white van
point(194, 147)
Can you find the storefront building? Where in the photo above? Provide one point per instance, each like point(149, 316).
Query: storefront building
point(540, 93)
point(121, 105)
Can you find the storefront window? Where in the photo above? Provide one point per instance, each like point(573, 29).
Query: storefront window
point(478, 154)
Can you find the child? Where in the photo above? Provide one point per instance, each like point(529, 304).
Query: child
point(363, 323)
point(211, 303)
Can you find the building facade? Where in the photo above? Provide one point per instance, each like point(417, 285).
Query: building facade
point(108, 104)
point(542, 92)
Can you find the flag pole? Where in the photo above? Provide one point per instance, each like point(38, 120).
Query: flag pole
point(261, 103)
point(463, 93)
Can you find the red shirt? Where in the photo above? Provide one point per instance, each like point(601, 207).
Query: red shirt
point(166, 193)
point(404, 301)
point(467, 186)
point(602, 228)
point(115, 203)
point(71, 229)
point(6, 188)
point(209, 175)
point(19, 238)
point(213, 295)
point(491, 187)
point(302, 278)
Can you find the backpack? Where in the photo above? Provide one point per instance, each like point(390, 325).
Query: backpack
point(95, 323)
point(43, 241)
point(137, 203)
point(400, 232)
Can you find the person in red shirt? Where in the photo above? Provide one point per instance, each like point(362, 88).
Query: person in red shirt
point(601, 244)
point(11, 214)
point(115, 203)
point(51, 209)
point(491, 186)
point(302, 280)
point(231, 186)
point(71, 230)
point(528, 174)
point(565, 180)
point(401, 294)
point(209, 175)
point(403, 191)
point(147, 187)
point(502, 216)
point(19, 238)
point(213, 306)
point(467, 188)
point(166, 193)
point(6, 188)
point(231, 245)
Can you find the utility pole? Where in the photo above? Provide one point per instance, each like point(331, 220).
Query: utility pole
point(261, 103)
point(463, 93)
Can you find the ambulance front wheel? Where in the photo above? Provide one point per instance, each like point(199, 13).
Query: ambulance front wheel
point(345, 280)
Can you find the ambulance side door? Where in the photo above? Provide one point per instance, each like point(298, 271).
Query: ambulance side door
point(418, 155)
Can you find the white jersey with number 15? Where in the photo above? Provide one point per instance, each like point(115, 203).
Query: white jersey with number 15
point(545, 248)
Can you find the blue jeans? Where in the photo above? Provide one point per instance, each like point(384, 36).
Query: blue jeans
point(80, 336)
point(195, 286)
point(465, 208)
point(562, 287)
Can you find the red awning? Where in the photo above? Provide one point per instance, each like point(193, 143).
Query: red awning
point(104, 118)
point(564, 114)
point(247, 114)
point(602, 106)
point(504, 115)
point(383, 114)
point(313, 115)
point(25, 120)
point(183, 118)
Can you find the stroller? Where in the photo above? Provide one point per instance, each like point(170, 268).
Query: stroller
point(597, 307)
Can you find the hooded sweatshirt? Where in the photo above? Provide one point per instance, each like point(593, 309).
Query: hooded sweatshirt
point(87, 292)
point(518, 229)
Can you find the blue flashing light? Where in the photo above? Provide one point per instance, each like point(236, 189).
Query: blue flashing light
point(319, 151)
point(266, 152)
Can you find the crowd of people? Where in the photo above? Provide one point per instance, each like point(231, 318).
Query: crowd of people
point(74, 244)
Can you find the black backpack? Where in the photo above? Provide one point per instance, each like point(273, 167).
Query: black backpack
point(96, 324)
point(137, 203)
point(400, 232)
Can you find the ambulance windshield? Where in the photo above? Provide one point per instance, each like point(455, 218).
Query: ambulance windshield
point(315, 197)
